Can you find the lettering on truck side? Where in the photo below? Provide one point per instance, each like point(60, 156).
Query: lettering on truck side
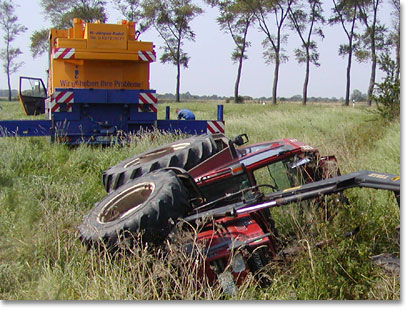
point(97, 84)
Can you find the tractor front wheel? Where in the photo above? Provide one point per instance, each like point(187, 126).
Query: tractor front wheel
point(148, 206)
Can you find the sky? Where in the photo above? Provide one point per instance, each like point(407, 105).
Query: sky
point(211, 70)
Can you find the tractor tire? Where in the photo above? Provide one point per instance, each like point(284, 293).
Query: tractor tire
point(146, 208)
point(185, 153)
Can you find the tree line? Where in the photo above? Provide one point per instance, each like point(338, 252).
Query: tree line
point(366, 38)
point(356, 96)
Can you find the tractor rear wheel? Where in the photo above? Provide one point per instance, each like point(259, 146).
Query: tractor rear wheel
point(146, 207)
point(185, 153)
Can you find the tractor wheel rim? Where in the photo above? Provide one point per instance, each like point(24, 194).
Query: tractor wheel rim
point(126, 202)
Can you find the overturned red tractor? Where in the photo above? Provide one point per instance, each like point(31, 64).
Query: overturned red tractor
point(227, 187)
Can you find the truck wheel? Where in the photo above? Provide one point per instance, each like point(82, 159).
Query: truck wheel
point(185, 153)
point(147, 206)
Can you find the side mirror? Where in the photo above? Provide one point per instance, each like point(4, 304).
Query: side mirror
point(241, 139)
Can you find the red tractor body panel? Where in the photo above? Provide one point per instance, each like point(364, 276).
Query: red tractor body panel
point(231, 241)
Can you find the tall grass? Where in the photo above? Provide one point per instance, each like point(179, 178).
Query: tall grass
point(45, 189)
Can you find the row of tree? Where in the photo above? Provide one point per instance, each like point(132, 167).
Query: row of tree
point(4, 93)
point(366, 38)
point(356, 96)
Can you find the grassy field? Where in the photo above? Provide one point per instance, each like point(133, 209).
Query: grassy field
point(45, 189)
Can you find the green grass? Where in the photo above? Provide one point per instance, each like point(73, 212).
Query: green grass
point(45, 189)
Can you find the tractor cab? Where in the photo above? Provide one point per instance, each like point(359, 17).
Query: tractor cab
point(33, 94)
point(271, 166)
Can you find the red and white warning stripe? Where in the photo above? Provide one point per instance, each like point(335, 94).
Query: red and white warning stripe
point(147, 56)
point(62, 101)
point(213, 127)
point(64, 53)
point(147, 98)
